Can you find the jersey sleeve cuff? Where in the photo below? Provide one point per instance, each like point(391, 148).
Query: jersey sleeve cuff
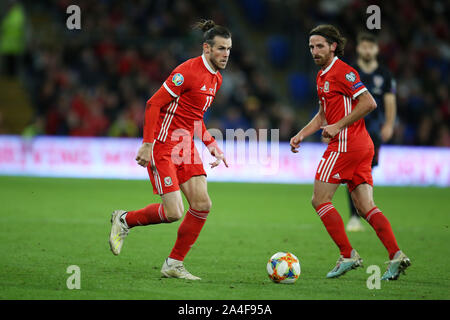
point(359, 92)
point(170, 91)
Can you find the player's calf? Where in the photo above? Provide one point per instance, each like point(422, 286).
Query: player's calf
point(335, 227)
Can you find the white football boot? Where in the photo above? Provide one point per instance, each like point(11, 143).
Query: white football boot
point(396, 266)
point(119, 231)
point(345, 264)
point(176, 269)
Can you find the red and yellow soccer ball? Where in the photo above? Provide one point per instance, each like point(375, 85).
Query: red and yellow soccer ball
point(283, 268)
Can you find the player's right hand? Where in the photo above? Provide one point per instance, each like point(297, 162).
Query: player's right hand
point(144, 155)
point(295, 142)
point(218, 154)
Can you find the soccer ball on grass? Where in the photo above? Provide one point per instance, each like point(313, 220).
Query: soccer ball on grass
point(283, 267)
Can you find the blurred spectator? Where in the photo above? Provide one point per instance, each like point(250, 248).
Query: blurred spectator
point(124, 126)
point(443, 136)
point(34, 129)
point(234, 119)
point(12, 37)
point(414, 44)
point(2, 124)
point(95, 81)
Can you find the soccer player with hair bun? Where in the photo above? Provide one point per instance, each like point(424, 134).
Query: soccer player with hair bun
point(343, 102)
point(169, 154)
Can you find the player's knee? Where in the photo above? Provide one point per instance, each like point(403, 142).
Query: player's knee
point(204, 204)
point(315, 201)
point(174, 214)
point(362, 207)
point(366, 207)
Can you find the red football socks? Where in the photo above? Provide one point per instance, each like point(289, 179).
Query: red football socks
point(151, 214)
point(383, 229)
point(335, 227)
point(188, 233)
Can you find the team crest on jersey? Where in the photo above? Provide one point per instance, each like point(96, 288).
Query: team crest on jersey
point(178, 79)
point(350, 76)
point(167, 181)
point(326, 87)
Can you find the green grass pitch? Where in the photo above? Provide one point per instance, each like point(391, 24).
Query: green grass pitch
point(47, 225)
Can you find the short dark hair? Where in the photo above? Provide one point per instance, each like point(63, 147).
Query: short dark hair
point(210, 30)
point(366, 36)
point(331, 34)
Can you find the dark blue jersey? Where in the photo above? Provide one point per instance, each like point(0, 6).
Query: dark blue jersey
point(379, 82)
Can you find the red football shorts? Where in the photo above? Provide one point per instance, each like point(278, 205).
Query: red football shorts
point(173, 164)
point(352, 168)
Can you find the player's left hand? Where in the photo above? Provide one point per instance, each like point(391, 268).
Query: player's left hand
point(295, 142)
point(330, 131)
point(386, 132)
point(144, 155)
point(219, 156)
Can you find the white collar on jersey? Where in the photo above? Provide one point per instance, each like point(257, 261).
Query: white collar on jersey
point(329, 67)
point(207, 65)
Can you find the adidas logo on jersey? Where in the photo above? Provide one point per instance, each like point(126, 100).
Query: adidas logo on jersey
point(203, 88)
point(336, 176)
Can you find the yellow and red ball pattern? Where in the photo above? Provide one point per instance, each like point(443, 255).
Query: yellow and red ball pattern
point(283, 268)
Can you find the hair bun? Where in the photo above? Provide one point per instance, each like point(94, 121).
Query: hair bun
point(208, 24)
point(205, 25)
point(210, 30)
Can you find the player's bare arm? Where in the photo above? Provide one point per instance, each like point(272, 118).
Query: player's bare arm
point(366, 104)
point(313, 126)
point(152, 111)
point(390, 111)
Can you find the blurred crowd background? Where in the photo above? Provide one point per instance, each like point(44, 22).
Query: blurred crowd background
point(95, 81)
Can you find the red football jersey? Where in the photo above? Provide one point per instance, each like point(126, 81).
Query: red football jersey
point(194, 85)
point(338, 85)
